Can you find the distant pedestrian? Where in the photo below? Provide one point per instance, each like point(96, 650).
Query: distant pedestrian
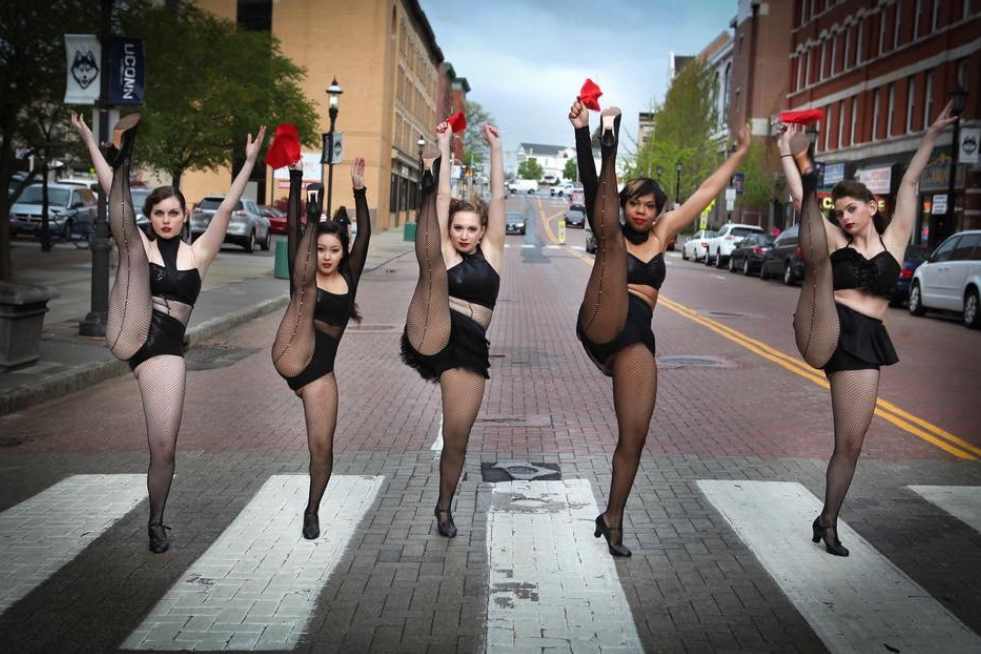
point(158, 280)
point(850, 273)
point(614, 322)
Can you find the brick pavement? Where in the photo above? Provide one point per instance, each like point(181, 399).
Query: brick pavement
point(692, 584)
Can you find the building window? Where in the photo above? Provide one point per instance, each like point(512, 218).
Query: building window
point(834, 54)
point(254, 15)
point(807, 11)
point(967, 10)
point(882, 30)
point(821, 64)
point(910, 103)
point(928, 99)
point(841, 125)
point(860, 45)
point(828, 127)
point(917, 19)
point(875, 115)
point(891, 110)
point(854, 126)
point(962, 73)
point(897, 32)
point(846, 61)
point(935, 21)
point(802, 70)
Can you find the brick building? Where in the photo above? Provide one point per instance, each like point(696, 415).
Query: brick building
point(883, 70)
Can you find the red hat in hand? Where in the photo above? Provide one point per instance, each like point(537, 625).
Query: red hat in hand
point(458, 122)
point(589, 95)
point(801, 117)
point(285, 148)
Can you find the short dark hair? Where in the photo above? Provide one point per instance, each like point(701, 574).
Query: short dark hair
point(850, 188)
point(157, 196)
point(641, 186)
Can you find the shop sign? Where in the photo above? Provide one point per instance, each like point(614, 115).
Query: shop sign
point(939, 207)
point(833, 173)
point(877, 180)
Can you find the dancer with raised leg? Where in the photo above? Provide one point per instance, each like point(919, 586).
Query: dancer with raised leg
point(851, 270)
point(460, 250)
point(158, 279)
point(324, 276)
point(614, 322)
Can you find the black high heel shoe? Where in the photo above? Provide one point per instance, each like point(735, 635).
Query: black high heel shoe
point(610, 126)
point(311, 526)
point(159, 542)
point(430, 171)
point(445, 528)
point(602, 529)
point(123, 138)
point(834, 547)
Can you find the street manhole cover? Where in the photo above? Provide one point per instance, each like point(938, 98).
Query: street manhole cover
point(210, 357)
point(499, 471)
point(687, 361)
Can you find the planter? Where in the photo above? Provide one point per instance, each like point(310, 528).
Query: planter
point(22, 309)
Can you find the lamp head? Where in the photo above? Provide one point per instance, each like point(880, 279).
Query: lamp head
point(334, 94)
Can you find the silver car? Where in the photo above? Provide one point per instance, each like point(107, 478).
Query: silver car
point(247, 227)
point(71, 211)
point(951, 279)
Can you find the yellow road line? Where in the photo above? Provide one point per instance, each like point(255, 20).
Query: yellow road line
point(886, 410)
point(545, 221)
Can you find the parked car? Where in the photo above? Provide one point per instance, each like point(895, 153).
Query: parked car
point(720, 246)
point(564, 189)
point(951, 279)
point(915, 255)
point(575, 217)
point(247, 226)
point(523, 186)
point(515, 223)
point(784, 259)
point(276, 217)
point(590, 239)
point(71, 211)
point(694, 248)
point(748, 253)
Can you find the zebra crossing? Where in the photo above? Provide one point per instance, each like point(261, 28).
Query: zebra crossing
point(550, 585)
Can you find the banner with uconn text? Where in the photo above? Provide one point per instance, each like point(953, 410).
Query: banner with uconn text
point(126, 68)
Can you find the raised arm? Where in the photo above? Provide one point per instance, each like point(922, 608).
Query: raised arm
point(579, 117)
point(359, 250)
point(494, 236)
point(790, 171)
point(207, 246)
point(668, 226)
point(102, 169)
point(900, 227)
point(443, 137)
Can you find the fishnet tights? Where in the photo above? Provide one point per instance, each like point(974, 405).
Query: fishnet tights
point(462, 392)
point(853, 397)
point(634, 395)
point(130, 308)
point(320, 408)
point(816, 320)
point(161, 380)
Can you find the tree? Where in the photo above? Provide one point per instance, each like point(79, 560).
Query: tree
point(530, 169)
point(474, 147)
point(759, 182)
point(571, 171)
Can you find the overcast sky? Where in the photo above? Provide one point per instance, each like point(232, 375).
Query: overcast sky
point(526, 60)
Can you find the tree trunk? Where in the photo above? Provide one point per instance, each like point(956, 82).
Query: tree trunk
point(45, 208)
point(175, 179)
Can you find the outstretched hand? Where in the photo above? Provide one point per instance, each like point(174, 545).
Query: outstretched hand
point(945, 118)
point(786, 134)
point(492, 136)
point(743, 138)
point(252, 147)
point(443, 135)
point(578, 114)
point(357, 173)
point(78, 122)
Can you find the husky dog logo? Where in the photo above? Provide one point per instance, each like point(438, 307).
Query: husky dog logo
point(84, 68)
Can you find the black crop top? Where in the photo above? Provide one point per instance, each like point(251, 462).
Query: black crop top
point(474, 280)
point(333, 308)
point(167, 281)
point(878, 275)
point(649, 274)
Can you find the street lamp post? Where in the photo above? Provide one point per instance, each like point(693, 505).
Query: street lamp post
point(334, 99)
point(677, 183)
point(958, 97)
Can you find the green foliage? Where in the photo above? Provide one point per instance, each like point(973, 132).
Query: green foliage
point(684, 124)
point(571, 171)
point(759, 184)
point(530, 169)
point(474, 146)
point(208, 85)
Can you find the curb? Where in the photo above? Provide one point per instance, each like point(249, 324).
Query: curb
point(79, 377)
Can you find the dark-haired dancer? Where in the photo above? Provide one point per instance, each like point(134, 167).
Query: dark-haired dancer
point(324, 277)
point(614, 321)
point(850, 274)
point(460, 249)
point(158, 279)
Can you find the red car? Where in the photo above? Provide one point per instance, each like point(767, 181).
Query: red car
point(277, 219)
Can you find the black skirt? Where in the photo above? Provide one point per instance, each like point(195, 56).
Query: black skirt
point(637, 329)
point(322, 363)
point(166, 336)
point(863, 343)
point(468, 348)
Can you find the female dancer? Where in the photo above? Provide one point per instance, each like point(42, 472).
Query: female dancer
point(850, 272)
point(614, 322)
point(460, 249)
point(157, 282)
point(324, 277)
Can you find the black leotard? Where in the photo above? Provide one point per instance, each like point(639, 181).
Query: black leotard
point(474, 280)
point(878, 275)
point(651, 273)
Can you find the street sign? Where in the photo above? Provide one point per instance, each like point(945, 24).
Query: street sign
point(333, 148)
point(737, 182)
point(968, 153)
point(939, 204)
point(730, 199)
point(833, 173)
point(83, 53)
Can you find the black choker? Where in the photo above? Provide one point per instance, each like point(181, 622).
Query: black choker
point(633, 235)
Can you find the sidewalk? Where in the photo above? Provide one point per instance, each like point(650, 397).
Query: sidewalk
point(239, 287)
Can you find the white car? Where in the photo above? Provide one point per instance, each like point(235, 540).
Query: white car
point(523, 186)
point(950, 279)
point(694, 248)
point(720, 246)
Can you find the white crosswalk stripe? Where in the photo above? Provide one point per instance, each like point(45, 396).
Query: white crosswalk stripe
point(862, 603)
point(552, 586)
point(43, 533)
point(256, 587)
point(962, 502)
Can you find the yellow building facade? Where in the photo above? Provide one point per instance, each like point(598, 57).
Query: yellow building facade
point(384, 55)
